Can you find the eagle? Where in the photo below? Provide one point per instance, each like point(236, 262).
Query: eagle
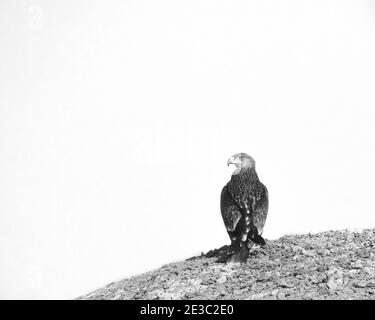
point(244, 208)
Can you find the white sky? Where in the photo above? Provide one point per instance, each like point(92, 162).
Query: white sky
point(117, 119)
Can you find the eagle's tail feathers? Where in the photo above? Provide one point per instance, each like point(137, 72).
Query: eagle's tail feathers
point(259, 240)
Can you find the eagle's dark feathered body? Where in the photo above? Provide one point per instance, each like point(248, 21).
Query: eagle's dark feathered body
point(244, 208)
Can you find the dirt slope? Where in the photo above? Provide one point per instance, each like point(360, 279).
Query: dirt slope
point(328, 265)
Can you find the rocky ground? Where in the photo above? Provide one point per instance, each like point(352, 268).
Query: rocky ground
point(328, 265)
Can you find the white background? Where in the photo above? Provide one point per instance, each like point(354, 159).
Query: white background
point(117, 119)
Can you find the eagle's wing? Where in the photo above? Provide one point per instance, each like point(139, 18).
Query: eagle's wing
point(229, 210)
point(261, 210)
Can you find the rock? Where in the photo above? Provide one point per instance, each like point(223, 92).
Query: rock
point(222, 280)
point(360, 284)
point(369, 271)
point(117, 296)
point(358, 264)
point(353, 273)
point(333, 284)
point(264, 277)
point(309, 253)
point(297, 249)
point(257, 296)
point(281, 296)
point(334, 278)
point(283, 284)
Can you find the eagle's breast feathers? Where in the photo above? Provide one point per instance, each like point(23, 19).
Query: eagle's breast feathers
point(251, 198)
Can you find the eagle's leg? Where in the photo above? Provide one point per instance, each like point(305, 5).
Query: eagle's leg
point(240, 255)
point(235, 243)
point(240, 251)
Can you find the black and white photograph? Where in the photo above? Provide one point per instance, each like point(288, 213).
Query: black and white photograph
point(187, 150)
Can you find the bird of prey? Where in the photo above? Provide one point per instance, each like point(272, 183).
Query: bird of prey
point(244, 208)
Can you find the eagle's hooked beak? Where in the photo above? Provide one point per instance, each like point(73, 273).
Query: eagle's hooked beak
point(230, 161)
point(234, 160)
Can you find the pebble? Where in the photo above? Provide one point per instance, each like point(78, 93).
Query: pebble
point(280, 296)
point(274, 292)
point(222, 280)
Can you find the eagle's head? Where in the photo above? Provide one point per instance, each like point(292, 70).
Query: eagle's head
point(241, 161)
